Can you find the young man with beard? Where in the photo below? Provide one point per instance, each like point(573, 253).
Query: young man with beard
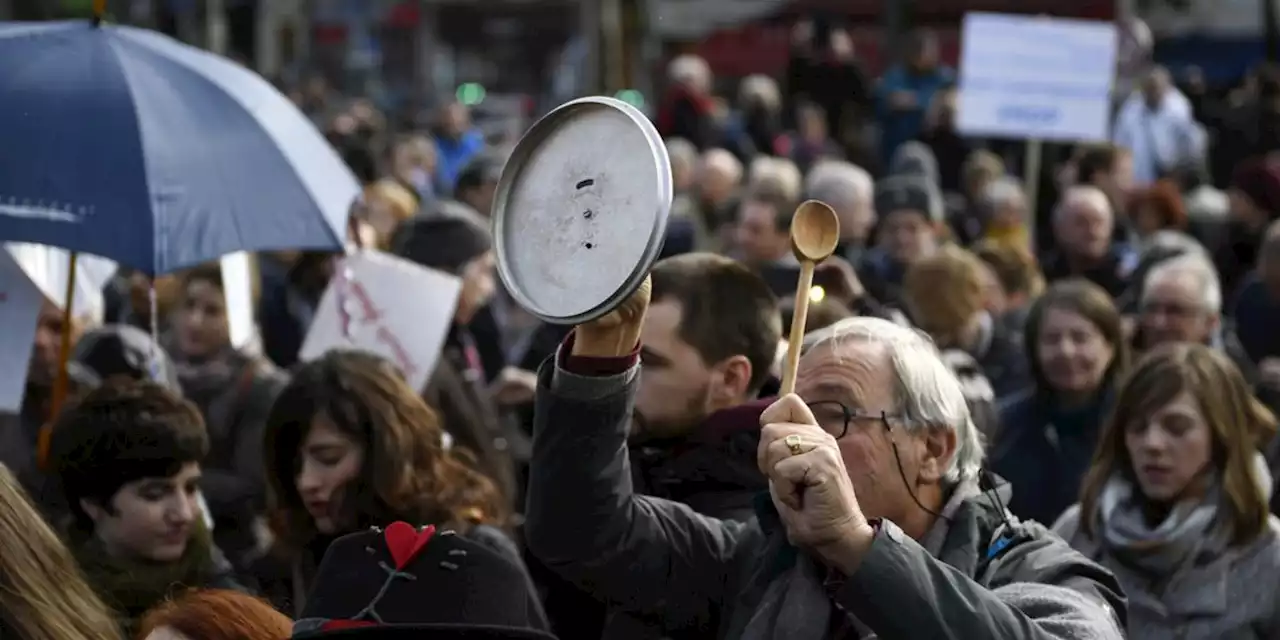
point(127, 458)
point(710, 339)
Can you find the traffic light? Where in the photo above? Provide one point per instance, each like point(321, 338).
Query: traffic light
point(470, 94)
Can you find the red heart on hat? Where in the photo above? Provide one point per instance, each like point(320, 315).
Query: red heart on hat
point(404, 542)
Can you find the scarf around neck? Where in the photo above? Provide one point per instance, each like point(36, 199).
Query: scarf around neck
point(205, 379)
point(131, 587)
point(1163, 549)
point(797, 605)
point(1190, 532)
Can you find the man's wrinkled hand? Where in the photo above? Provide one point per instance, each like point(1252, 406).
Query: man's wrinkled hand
point(617, 332)
point(811, 489)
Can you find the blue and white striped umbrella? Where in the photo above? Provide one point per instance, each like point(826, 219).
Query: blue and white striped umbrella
point(127, 144)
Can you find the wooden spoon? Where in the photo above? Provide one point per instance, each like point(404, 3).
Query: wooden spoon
point(815, 232)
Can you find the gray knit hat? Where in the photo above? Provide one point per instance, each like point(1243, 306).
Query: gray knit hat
point(908, 193)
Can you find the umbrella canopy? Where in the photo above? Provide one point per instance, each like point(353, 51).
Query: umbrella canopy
point(127, 144)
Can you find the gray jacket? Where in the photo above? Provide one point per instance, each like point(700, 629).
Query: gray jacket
point(686, 572)
point(1233, 597)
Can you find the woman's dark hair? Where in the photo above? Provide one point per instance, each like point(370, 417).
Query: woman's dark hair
point(212, 274)
point(407, 473)
point(1089, 301)
point(309, 271)
point(121, 432)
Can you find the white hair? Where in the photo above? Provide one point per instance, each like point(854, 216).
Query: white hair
point(1086, 195)
point(1194, 269)
point(724, 162)
point(682, 152)
point(1004, 192)
point(840, 184)
point(927, 392)
point(778, 173)
point(1173, 242)
point(689, 69)
point(762, 90)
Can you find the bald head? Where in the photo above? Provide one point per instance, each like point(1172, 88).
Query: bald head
point(1083, 222)
point(719, 175)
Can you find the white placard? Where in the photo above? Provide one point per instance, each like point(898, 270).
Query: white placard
point(47, 268)
point(393, 307)
point(1040, 78)
point(20, 302)
point(237, 288)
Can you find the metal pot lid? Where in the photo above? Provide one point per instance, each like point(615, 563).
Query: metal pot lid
point(581, 210)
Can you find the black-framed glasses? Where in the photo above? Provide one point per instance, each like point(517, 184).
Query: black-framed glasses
point(834, 417)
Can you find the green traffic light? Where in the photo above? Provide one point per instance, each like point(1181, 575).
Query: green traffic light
point(470, 94)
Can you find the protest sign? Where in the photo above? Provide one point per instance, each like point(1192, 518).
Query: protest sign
point(237, 288)
point(388, 306)
point(47, 267)
point(1035, 78)
point(20, 302)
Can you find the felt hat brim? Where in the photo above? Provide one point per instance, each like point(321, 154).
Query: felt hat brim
point(428, 632)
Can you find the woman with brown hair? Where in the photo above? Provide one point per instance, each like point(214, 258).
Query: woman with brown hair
point(1011, 281)
point(215, 614)
point(351, 445)
point(1175, 503)
point(234, 389)
point(43, 595)
point(1076, 350)
point(944, 296)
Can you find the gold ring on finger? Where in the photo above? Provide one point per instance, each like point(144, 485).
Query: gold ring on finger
point(794, 443)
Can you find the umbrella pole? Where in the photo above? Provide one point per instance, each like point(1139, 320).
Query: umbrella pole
point(62, 381)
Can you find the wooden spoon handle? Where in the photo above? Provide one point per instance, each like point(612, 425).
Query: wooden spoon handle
point(798, 320)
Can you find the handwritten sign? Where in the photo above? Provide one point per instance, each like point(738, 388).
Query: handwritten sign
point(388, 306)
point(47, 267)
point(20, 302)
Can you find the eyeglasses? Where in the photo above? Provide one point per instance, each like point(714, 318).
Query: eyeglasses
point(834, 417)
point(1170, 309)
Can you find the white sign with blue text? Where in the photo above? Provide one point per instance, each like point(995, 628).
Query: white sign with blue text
point(1029, 77)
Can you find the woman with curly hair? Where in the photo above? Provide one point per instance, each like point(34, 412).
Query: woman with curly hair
point(43, 595)
point(350, 445)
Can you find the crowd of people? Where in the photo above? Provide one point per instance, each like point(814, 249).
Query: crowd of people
point(1017, 416)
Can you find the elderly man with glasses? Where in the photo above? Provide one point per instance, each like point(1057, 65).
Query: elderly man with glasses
point(875, 524)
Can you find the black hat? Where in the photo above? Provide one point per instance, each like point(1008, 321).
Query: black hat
point(120, 350)
point(446, 243)
point(909, 193)
point(418, 583)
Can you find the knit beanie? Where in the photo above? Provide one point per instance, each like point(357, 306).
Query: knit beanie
point(445, 243)
point(908, 193)
point(915, 159)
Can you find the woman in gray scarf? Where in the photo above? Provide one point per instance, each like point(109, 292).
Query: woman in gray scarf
point(1175, 503)
point(234, 390)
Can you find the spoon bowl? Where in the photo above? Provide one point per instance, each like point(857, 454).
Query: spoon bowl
point(815, 231)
